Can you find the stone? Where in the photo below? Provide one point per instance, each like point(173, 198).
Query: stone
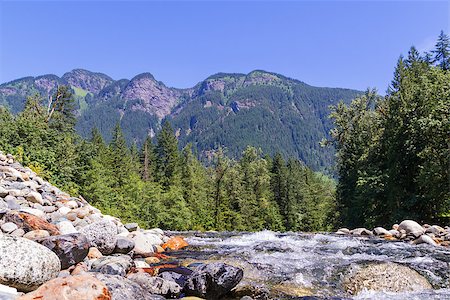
point(381, 231)
point(386, 277)
point(180, 279)
point(101, 235)
point(64, 210)
point(33, 211)
point(72, 204)
point(71, 216)
point(8, 293)
point(84, 286)
point(343, 231)
point(211, 281)
point(141, 264)
point(152, 260)
point(94, 253)
point(82, 212)
point(18, 232)
point(361, 231)
point(132, 226)
point(80, 268)
point(156, 285)
point(12, 203)
point(175, 243)
point(35, 197)
point(117, 264)
point(9, 227)
point(142, 245)
point(411, 227)
point(124, 289)
point(70, 248)
point(425, 239)
point(435, 229)
point(30, 222)
point(66, 227)
point(36, 234)
point(124, 245)
point(25, 265)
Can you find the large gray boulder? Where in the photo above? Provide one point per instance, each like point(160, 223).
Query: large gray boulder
point(387, 277)
point(156, 285)
point(101, 235)
point(25, 264)
point(212, 281)
point(411, 227)
point(117, 264)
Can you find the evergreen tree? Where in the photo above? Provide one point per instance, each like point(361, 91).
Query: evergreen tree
point(168, 159)
point(442, 51)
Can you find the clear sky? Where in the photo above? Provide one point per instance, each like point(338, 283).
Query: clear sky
point(352, 44)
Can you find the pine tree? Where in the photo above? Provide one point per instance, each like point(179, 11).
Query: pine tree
point(148, 160)
point(442, 51)
point(168, 158)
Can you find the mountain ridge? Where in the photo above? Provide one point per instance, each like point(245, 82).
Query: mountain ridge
point(231, 110)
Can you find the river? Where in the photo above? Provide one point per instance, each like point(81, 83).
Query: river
point(292, 265)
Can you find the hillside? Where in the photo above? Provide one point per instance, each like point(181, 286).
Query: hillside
point(262, 109)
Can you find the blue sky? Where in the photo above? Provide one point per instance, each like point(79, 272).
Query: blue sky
point(352, 44)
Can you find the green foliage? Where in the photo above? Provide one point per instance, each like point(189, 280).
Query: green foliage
point(393, 153)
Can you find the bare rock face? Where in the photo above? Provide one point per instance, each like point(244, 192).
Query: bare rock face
point(86, 80)
point(25, 264)
point(155, 97)
point(73, 288)
point(387, 277)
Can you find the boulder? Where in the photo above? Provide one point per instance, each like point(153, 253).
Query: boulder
point(117, 264)
point(411, 227)
point(123, 245)
point(9, 227)
point(381, 231)
point(36, 234)
point(70, 248)
point(132, 226)
point(142, 244)
point(156, 285)
point(66, 227)
point(30, 222)
point(425, 239)
point(175, 243)
point(361, 231)
point(84, 286)
point(124, 289)
point(35, 197)
point(386, 277)
point(25, 264)
point(94, 253)
point(211, 281)
point(101, 235)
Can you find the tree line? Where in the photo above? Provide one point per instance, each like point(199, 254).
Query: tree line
point(158, 184)
point(393, 152)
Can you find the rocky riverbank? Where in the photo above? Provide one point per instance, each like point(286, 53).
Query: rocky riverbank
point(55, 246)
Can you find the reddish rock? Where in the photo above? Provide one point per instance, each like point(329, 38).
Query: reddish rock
point(175, 243)
point(84, 286)
point(29, 222)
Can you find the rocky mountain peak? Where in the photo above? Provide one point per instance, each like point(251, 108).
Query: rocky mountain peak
point(154, 96)
point(87, 80)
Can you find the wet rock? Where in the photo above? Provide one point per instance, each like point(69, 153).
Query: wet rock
point(388, 277)
point(124, 245)
point(180, 279)
point(117, 264)
point(156, 285)
point(70, 248)
point(425, 239)
point(211, 281)
point(29, 222)
point(124, 289)
point(9, 227)
point(101, 235)
point(84, 287)
point(411, 227)
point(175, 243)
point(25, 264)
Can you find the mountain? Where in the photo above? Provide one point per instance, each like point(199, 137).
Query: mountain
point(262, 109)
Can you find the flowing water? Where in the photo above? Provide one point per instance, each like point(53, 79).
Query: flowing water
point(291, 265)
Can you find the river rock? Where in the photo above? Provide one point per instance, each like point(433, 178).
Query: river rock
point(361, 231)
point(35, 197)
point(175, 243)
point(387, 277)
point(9, 227)
point(70, 248)
point(66, 227)
point(101, 235)
point(29, 222)
point(84, 286)
point(25, 264)
point(124, 289)
point(425, 239)
point(117, 264)
point(211, 281)
point(132, 226)
point(411, 227)
point(381, 231)
point(36, 234)
point(156, 285)
point(123, 245)
point(94, 253)
point(142, 244)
